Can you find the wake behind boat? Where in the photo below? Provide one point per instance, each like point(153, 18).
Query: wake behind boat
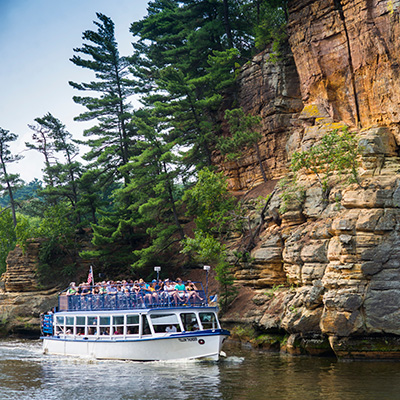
point(134, 325)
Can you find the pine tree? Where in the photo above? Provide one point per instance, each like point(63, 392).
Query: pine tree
point(111, 138)
point(10, 181)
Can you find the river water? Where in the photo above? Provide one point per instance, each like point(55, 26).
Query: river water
point(25, 373)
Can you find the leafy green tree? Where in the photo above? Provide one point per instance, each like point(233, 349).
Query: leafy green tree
point(216, 214)
point(209, 250)
point(59, 245)
point(111, 138)
point(7, 180)
point(185, 63)
point(212, 204)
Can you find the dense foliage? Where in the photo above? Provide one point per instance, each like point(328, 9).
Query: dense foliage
point(147, 170)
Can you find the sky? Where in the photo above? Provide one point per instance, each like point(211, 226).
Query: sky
point(37, 38)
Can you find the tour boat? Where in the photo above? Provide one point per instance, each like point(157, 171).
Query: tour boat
point(134, 327)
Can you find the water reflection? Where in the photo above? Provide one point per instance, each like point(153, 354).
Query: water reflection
point(27, 374)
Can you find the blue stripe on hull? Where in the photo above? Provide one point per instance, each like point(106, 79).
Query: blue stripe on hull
point(209, 332)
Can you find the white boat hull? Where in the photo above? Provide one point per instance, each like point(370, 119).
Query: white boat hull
point(182, 346)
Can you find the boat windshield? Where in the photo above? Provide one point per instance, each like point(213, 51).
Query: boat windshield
point(165, 323)
point(208, 320)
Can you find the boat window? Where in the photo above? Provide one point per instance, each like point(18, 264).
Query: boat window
point(118, 325)
point(145, 326)
point(189, 321)
point(80, 325)
point(105, 325)
point(92, 325)
point(208, 320)
point(132, 324)
point(92, 321)
point(118, 320)
point(59, 325)
point(132, 319)
point(69, 325)
point(162, 321)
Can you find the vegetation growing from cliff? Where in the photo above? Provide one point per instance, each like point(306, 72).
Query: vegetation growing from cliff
point(245, 132)
point(335, 155)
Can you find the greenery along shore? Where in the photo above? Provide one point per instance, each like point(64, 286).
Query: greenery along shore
point(148, 171)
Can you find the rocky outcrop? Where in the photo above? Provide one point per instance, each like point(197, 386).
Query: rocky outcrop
point(22, 298)
point(269, 89)
point(24, 295)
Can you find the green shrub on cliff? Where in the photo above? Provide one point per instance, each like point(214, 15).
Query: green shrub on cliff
point(336, 154)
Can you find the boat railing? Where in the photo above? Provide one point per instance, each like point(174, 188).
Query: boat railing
point(47, 324)
point(127, 301)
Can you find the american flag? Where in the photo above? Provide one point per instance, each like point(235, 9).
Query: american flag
point(90, 276)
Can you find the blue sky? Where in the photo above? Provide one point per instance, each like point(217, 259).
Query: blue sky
point(37, 38)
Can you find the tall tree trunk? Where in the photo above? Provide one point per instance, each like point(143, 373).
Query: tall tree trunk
point(227, 24)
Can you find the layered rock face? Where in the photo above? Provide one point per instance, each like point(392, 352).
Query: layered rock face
point(271, 90)
point(346, 54)
point(334, 264)
point(22, 299)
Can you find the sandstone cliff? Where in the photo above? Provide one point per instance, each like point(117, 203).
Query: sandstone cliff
point(334, 265)
point(24, 295)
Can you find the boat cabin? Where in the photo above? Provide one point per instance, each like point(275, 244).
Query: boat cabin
point(123, 325)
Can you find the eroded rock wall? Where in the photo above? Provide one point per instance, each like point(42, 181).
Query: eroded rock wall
point(269, 89)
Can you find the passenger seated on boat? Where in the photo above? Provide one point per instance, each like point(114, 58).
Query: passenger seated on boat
point(72, 289)
point(170, 328)
point(91, 331)
point(80, 331)
point(118, 331)
point(192, 292)
point(147, 292)
point(103, 288)
point(111, 288)
point(125, 287)
point(180, 293)
point(86, 289)
point(169, 291)
point(135, 295)
point(154, 299)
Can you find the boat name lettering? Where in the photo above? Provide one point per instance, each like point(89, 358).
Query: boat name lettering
point(188, 339)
